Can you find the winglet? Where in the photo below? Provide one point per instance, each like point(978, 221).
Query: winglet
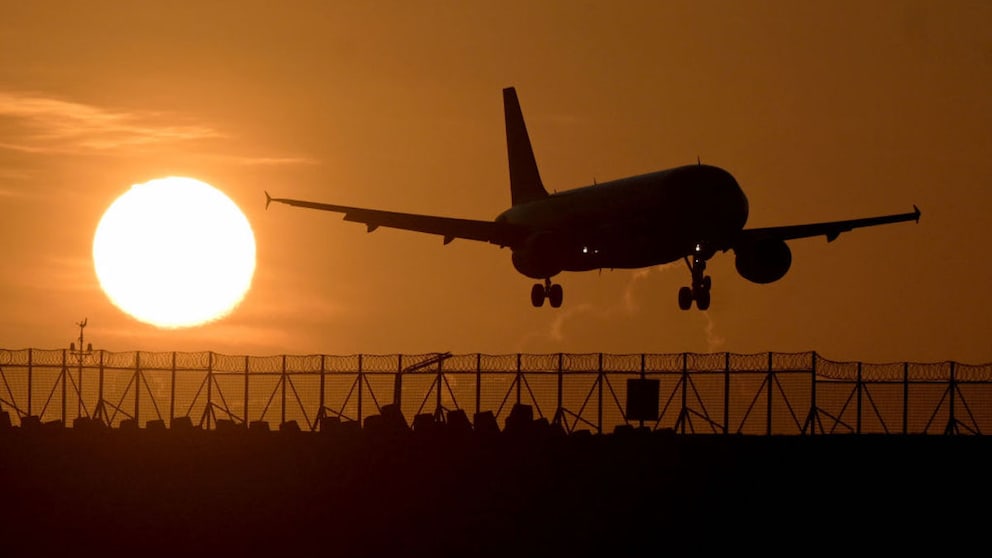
point(916, 210)
point(268, 199)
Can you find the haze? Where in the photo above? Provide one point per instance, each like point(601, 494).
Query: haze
point(821, 110)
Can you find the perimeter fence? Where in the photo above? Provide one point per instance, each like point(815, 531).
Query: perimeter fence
point(720, 393)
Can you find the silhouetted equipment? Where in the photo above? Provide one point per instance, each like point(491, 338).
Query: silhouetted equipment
point(330, 425)
point(350, 428)
point(374, 424)
point(520, 420)
point(542, 427)
point(289, 426)
point(154, 425)
point(226, 425)
point(393, 416)
point(390, 422)
point(87, 424)
point(457, 422)
point(485, 423)
point(622, 429)
point(642, 399)
point(128, 425)
point(688, 213)
point(425, 423)
point(31, 422)
point(183, 423)
point(258, 426)
point(5, 420)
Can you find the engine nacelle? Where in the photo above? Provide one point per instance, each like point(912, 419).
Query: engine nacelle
point(763, 261)
point(539, 258)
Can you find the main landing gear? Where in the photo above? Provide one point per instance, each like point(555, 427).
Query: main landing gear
point(549, 290)
point(700, 289)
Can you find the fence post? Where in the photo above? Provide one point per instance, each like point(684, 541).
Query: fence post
point(282, 412)
point(683, 413)
point(65, 376)
point(246, 421)
point(726, 392)
point(860, 387)
point(768, 411)
point(172, 392)
point(440, 391)
point(558, 411)
point(905, 397)
point(137, 387)
point(359, 379)
point(518, 377)
point(643, 366)
point(952, 421)
point(478, 383)
point(398, 383)
point(208, 411)
point(323, 378)
point(599, 406)
point(813, 409)
point(30, 377)
point(79, 380)
point(100, 413)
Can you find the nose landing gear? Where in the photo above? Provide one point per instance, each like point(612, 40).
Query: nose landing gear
point(551, 291)
point(700, 289)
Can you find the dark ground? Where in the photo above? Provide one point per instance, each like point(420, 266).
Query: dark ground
point(523, 492)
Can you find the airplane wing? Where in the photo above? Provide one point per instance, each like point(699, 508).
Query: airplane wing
point(831, 229)
point(503, 234)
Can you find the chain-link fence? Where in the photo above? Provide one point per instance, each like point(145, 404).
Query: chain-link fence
point(720, 393)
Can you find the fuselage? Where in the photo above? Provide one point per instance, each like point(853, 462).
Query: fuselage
point(691, 212)
point(635, 222)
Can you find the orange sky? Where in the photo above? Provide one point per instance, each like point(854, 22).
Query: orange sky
point(821, 110)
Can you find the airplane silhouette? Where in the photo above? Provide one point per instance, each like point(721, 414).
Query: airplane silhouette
point(689, 212)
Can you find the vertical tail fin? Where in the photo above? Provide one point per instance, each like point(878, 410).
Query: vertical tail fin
point(525, 181)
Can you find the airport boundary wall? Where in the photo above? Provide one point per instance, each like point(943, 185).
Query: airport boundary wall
point(718, 393)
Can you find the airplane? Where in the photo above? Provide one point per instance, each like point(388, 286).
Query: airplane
point(689, 212)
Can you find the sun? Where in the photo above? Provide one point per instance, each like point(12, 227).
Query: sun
point(174, 252)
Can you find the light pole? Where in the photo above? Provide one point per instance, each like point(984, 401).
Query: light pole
point(80, 355)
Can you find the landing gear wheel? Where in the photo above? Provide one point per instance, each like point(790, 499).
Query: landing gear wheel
point(537, 295)
point(701, 283)
point(555, 295)
point(703, 299)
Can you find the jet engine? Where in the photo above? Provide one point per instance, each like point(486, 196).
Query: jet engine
point(763, 261)
point(539, 257)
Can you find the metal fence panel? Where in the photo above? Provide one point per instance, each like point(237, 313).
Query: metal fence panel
point(764, 393)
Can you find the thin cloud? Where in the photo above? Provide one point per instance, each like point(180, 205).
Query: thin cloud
point(259, 161)
point(40, 125)
point(49, 125)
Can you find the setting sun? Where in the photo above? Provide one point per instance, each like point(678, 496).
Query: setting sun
point(174, 252)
